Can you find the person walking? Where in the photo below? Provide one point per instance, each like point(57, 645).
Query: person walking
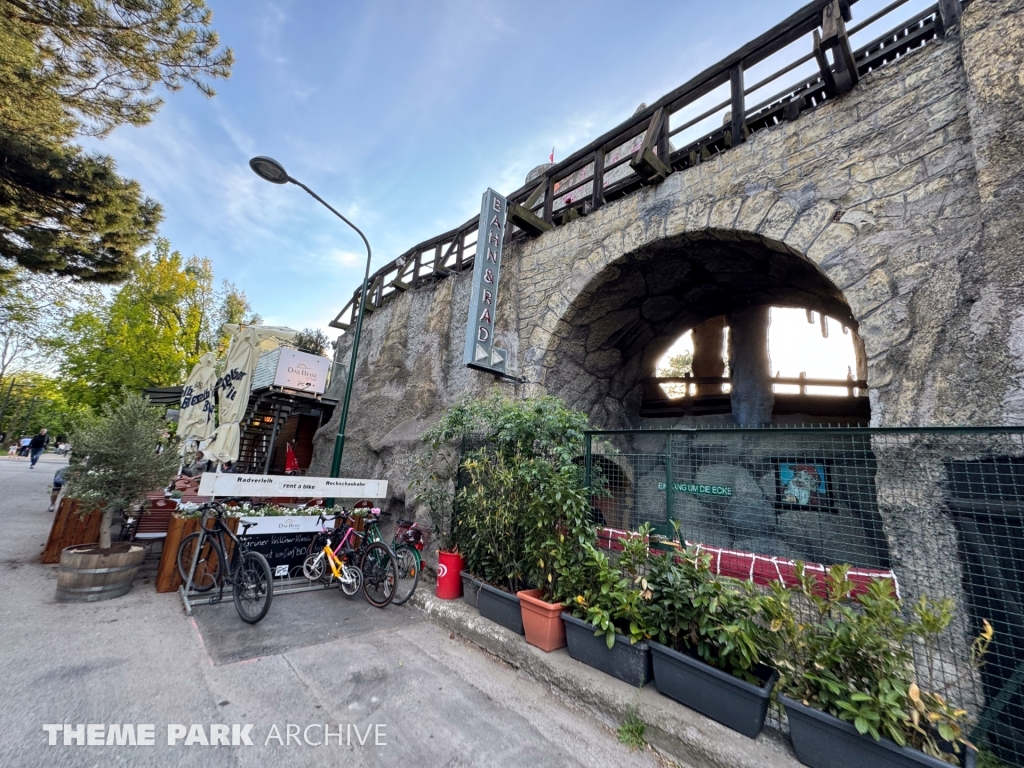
point(37, 445)
point(23, 450)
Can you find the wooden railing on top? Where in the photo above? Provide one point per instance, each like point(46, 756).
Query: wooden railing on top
point(640, 151)
point(652, 386)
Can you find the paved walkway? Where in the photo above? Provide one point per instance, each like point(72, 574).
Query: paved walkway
point(317, 658)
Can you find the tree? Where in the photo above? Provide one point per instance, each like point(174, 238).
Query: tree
point(71, 67)
point(676, 365)
point(102, 58)
point(17, 317)
point(312, 340)
point(116, 463)
point(69, 213)
point(38, 401)
point(31, 307)
point(150, 332)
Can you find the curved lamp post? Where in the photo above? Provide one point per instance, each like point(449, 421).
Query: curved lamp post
point(271, 170)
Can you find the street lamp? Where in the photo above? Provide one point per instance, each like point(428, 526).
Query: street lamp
point(271, 170)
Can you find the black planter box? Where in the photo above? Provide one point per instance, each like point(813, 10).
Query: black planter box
point(470, 588)
point(630, 662)
point(823, 741)
point(735, 703)
point(501, 608)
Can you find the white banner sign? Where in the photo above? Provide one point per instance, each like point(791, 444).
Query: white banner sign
point(269, 525)
point(302, 371)
point(228, 484)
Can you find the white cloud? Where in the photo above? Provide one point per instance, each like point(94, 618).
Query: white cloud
point(347, 258)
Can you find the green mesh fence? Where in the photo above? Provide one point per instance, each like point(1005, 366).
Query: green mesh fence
point(942, 509)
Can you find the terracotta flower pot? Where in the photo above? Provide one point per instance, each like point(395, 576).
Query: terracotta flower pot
point(542, 621)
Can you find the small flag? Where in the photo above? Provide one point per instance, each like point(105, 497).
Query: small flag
point(551, 157)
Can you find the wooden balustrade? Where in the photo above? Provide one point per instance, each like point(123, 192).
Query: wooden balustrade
point(652, 385)
point(639, 152)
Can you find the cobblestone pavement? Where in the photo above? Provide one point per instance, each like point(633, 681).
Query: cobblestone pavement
point(317, 658)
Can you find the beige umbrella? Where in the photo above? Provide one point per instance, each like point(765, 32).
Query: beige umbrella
point(196, 421)
point(233, 393)
point(271, 336)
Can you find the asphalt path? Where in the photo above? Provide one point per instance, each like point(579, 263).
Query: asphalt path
point(426, 697)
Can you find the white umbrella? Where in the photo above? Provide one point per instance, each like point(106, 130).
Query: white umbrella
point(233, 393)
point(271, 336)
point(196, 420)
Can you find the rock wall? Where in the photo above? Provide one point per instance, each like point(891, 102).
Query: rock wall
point(889, 208)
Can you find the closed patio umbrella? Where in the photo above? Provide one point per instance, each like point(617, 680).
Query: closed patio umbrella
point(233, 393)
point(196, 420)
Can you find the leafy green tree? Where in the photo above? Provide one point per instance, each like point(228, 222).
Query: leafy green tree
point(37, 401)
point(150, 332)
point(677, 365)
point(31, 306)
point(102, 58)
point(312, 340)
point(116, 462)
point(72, 67)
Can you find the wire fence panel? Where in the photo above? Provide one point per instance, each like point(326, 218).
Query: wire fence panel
point(941, 510)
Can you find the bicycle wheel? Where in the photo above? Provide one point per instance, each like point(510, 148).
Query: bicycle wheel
point(354, 582)
point(314, 566)
point(408, 573)
point(380, 573)
point(209, 566)
point(253, 589)
point(317, 544)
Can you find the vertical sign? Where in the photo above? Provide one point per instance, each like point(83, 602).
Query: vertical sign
point(480, 352)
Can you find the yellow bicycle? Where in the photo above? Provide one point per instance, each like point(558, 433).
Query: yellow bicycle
point(349, 577)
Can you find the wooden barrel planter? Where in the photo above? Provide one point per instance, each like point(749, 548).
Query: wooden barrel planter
point(70, 528)
point(89, 574)
point(167, 577)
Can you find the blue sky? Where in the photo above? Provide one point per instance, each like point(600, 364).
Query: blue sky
point(400, 114)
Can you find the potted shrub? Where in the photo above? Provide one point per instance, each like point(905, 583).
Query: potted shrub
point(848, 677)
point(711, 642)
point(606, 625)
point(491, 507)
point(507, 446)
point(113, 467)
point(557, 530)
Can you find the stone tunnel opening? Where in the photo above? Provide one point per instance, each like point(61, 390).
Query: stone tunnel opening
point(720, 288)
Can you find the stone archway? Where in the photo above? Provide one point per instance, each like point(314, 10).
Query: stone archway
point(624, 318)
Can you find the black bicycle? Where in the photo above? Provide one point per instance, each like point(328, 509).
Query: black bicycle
point(248, 572)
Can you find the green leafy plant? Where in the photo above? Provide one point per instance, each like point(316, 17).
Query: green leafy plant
point(850, 653)
point(481, 503)
point(616, 596)
point(714, 618)
point(492, 524)
point(632, 730)
point(116, 461)
point(987, 760)
point(558, 529)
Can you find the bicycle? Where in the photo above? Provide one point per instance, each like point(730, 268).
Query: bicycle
point(377, 563)
point(321, 554)
point(248, 572)
point(406, 544)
